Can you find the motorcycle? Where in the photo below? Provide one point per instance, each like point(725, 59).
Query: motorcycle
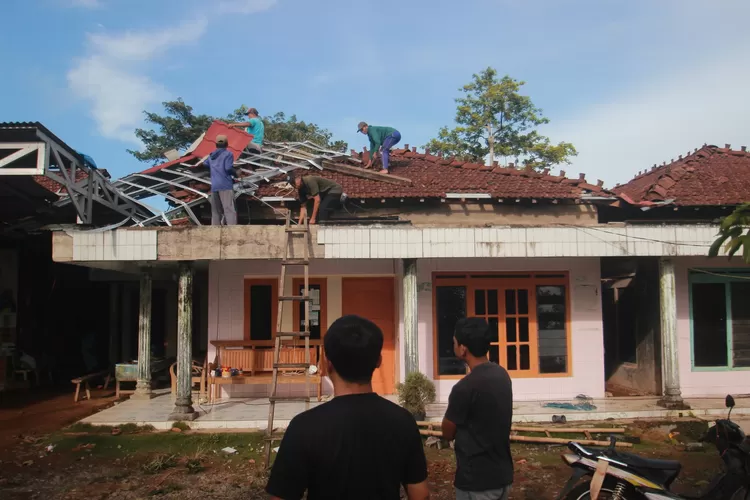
point(614, 475)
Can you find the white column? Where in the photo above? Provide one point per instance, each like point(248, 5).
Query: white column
point(183, 409)
point(143, 386)
point(670, 367)
point(411, 318)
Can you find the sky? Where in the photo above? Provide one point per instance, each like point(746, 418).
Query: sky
point(630, 83)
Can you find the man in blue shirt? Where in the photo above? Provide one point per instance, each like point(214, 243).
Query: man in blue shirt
point(221, 163)
point(255, 127)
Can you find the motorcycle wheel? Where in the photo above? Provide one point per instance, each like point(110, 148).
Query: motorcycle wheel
point(582, 492)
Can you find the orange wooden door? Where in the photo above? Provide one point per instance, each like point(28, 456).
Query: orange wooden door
point(374, 299)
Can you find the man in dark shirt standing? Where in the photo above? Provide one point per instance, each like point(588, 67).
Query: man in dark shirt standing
point(358, 445)
point(479, 414)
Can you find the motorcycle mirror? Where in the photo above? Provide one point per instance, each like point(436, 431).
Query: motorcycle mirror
point(729, 401)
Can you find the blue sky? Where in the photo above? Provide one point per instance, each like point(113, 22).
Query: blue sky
point(629, 82)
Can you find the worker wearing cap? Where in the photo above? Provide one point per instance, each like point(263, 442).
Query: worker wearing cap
point(221, 163)
point(324, 193)
point(255, 127)
point(380, 138)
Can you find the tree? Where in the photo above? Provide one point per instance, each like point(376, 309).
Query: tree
point(494, 119)
point(178, 128)
point(734, 234)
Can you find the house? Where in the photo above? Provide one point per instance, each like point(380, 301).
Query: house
point(713, 340)
point(548, 260)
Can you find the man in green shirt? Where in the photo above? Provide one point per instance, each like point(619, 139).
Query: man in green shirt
point(325, 193)
point(380, 138)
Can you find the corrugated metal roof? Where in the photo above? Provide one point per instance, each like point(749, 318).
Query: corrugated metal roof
point(26, 132)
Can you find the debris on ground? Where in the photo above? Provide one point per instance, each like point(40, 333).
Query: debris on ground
point(80, 447)
point(433, 441)
point(116, 431)
point(229, 450)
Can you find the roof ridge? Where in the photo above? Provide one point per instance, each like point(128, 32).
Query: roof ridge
point(412, 153)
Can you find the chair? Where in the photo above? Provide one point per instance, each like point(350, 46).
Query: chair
point(198, 373)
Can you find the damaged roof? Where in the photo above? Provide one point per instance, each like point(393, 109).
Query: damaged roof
point(710, 176)
point(435, 177)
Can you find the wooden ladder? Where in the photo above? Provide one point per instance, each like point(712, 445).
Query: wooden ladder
point(289, 339)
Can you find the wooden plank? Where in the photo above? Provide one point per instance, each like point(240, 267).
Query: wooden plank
point(542, 440)
point(366, 174)
point(566, 430)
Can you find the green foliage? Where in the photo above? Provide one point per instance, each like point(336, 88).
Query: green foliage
point(734, 234)
point(495, 119)
point(416, 393)
point(179, 127)
point(181, 425)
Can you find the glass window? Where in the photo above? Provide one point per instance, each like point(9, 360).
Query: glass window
point(709, 324)
point(315, 310)
point(553, 338)
point(261, 312)
point(450, 307)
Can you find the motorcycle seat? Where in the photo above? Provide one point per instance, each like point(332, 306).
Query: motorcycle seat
point(662, 472)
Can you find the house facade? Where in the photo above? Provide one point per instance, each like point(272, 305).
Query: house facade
point(587, 290)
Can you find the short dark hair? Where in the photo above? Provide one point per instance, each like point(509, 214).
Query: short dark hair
point(474, 334)
point(353, 345)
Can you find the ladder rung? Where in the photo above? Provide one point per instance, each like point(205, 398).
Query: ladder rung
point(297, 298)
point(291, 365)
point(296, 229)
point(295, 262)
point(275, 399)
point(293, 334)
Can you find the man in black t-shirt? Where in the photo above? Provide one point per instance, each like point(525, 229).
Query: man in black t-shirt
point(358, 445)
point(479, 414)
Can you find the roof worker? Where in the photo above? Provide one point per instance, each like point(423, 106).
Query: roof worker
point(359, 444)
point(325, 193)
point(381, 138)
point(221, 163)
point(255, 127)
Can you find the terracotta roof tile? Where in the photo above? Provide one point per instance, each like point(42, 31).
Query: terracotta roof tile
point(708, 177)
point(434, 177)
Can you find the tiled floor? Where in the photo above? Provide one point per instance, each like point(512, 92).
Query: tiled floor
point(252, 413)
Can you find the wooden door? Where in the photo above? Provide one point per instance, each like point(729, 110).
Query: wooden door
point(374, 299)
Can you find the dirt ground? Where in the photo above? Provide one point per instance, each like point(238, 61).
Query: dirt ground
point(81, 462)
point(42, 458)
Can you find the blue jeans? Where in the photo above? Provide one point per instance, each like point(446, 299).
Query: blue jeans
point(388, 143)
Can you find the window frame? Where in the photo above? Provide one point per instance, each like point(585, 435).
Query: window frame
point(248, 283)
point(323, 284)
point(479, 280)
point(697, 275)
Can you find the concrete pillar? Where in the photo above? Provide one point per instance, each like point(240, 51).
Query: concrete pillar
point(143, 386)
point(114, 324)
point(672, 397)
point(411, 318)
point(126, 329)
point(183, 409)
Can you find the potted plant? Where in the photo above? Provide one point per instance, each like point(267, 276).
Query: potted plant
point(416, 393)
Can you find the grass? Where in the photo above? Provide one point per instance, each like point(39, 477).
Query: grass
point(195, 446)
point(81, 427)
point(159, 463)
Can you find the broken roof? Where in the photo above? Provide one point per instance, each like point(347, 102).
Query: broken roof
point(436, 177)
point(710, 176)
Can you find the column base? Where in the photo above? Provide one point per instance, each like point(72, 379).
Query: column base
point(183, 414)
point(142, 395)
point(673, 403)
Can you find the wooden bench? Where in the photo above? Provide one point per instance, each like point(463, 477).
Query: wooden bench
point(254, 360)
point(85, 381)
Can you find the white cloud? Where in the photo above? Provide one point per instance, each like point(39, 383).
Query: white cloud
point(659, 120)
point(245, 6)
point(112, 77)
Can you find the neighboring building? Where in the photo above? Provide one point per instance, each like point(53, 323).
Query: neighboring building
point(440, 239)
point(712, 319)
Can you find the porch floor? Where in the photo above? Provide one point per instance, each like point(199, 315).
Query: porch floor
point(252, 413)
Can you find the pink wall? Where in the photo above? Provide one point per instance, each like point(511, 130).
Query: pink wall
point(587, 336)
point(702, 383)
point(226, 314)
